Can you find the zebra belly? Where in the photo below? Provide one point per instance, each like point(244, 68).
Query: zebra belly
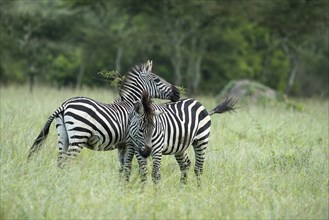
point(171, 151)
point(94, 143)
point(178, 147)
point(84, 135)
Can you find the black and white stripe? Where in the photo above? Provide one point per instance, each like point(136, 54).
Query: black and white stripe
point(170, 129)
point(83, 122)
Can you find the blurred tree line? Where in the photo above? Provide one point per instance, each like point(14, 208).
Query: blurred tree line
point(200, 45)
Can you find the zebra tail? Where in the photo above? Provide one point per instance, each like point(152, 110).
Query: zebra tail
point(44, 133)
point(227, 106)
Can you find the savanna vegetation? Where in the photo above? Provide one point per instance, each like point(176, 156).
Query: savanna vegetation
point(200, 45)
point(269, 160)
point(264, 161)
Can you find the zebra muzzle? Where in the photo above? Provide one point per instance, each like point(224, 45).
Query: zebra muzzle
point(175, 94)
point(145, 151)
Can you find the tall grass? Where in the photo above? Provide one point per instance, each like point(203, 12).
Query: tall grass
point(267, 162)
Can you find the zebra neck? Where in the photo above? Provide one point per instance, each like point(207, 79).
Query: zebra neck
point(131, 88)
point(130, 95)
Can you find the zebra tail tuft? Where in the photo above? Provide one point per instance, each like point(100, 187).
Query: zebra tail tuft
point(227, 106)
point(43, 134)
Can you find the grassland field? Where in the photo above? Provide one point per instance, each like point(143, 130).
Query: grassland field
point(266, 161)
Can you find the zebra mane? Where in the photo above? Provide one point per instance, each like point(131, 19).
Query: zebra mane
point(133, 71)
point(148, 110)
point(126, 79)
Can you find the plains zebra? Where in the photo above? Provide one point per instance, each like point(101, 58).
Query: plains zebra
point(83, 122)
point(170, 129)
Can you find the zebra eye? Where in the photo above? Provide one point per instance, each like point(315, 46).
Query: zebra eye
point(157, 80)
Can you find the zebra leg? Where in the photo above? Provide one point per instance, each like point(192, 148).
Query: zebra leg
point(200, 151)
point(72, 153)
point(63, 141)
point(184, 165)
point(142, 163)
point(127, 162)
point(156, 175)
point(121, 156)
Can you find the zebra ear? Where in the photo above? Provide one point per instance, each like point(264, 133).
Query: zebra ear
point(147, 68)
point(138, 107)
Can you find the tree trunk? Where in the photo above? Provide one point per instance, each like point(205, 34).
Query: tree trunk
point(177, 63)
point(81, 70)
point(118, 59)
point(194, 65)
point(293, 73)
point(176, 38)
point(191, 66)
point(31, 76)
point(294, 66)
point(197, 74)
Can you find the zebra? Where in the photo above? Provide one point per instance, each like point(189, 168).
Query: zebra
point(168, 129)
point(83, 122)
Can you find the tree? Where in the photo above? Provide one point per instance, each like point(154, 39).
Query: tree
point(200, 45)
point(294, 22)
point(29, 27)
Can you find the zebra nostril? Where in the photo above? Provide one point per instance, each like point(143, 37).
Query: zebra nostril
point(145, 151)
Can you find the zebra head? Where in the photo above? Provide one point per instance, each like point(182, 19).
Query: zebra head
point(142, 125)
point(141, 78)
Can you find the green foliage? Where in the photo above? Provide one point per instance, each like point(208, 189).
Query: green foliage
point(262, 162)
point(115, 77)
point(279, 67)
point(200, 45)
point(182, 90)
point(66, 67)
point(293, 105)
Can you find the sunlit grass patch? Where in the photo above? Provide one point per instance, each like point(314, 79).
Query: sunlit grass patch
point(262, 162)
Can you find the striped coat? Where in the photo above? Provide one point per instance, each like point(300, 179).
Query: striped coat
point(82, 122)
point(169, 129)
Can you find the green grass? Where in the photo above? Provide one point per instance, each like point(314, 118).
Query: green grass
point(265, 161)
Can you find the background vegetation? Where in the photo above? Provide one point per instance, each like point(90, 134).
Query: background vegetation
point(268, 161)
point(265, 162)
point(200, 45)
